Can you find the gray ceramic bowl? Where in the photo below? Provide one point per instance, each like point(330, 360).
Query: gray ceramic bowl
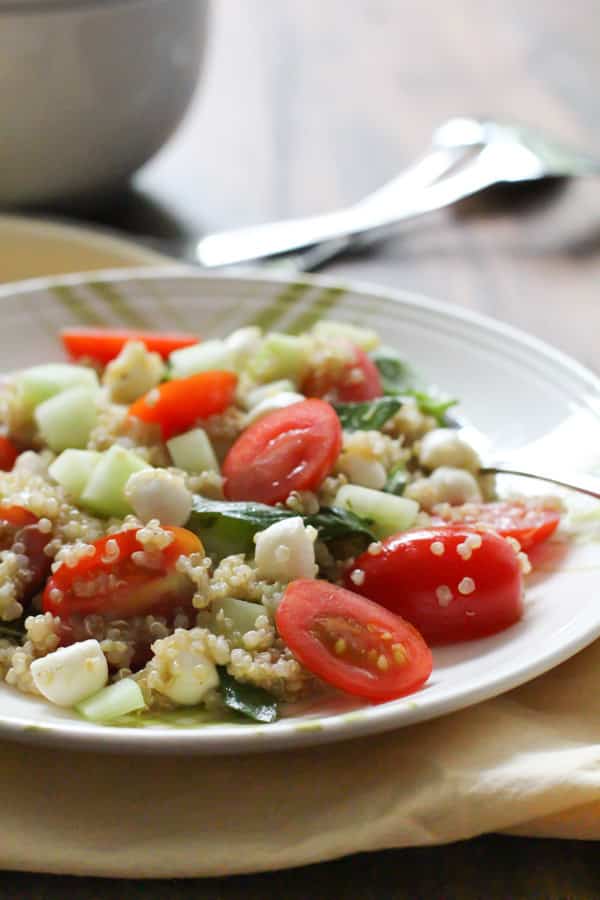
point(89, 90)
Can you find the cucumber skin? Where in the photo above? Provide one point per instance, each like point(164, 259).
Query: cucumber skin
point(112, 702)
point(390, 514)
point(104, 493)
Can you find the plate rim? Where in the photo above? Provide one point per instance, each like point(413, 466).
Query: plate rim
point(290, 734)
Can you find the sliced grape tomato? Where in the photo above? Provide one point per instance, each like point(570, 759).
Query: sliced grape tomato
point(351, 643)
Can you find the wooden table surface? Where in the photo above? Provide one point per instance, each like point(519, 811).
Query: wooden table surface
point(308, 105)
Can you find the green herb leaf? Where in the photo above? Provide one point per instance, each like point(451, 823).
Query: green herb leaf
point(397, 480)
point(436, 405)
point(399, 378)
point(247, 699)
point(369, 416)
point(227, 528)
point(334, 523)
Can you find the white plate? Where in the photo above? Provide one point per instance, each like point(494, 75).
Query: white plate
point(513, 388)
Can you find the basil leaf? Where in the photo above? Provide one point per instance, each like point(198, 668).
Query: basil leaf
point(334, 523)
point(369, 416)
point(434, 405)
point(397, 480)
point(399, 378)
point(227, 528)
point(251, 701)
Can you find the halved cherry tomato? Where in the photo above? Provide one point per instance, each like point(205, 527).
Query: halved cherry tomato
point(104, 344)
point(18, 526)
point(529, 525)
point(177, 405)
point(441, 581)
point(292, 449)
point(17, 516)
point(8, 454)
point(357, 382)
point(351, 643)
point(117, 584)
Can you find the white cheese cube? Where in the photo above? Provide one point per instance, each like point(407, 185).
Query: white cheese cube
point(71, 674)
point(192, 676)
point(286, 550)
point(444, 447)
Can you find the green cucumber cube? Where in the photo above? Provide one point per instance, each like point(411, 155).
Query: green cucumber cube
point(193, 452)
point(112, 702)
point(73, 469)
point(39, 383)
point(389, 514)
point(280, 356)
point(241, 613)
point(67, 419)
point(201, 358)
point(104, 493)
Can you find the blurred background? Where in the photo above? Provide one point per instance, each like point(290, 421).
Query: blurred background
point(303, 107)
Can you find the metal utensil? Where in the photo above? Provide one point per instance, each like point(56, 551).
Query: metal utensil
point(583, 484)
point(449, 147)
point(467, 156)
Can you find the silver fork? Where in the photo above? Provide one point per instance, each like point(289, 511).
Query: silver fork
point(485, 152)
point(583, 484)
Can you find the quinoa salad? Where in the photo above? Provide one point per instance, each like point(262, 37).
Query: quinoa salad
point(239, 524)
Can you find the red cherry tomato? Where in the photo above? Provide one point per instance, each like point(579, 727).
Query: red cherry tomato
point(17, 516)
point(8, 454)
point(529, 525)
point(292, 449)
point(449, 590)
point(116, 584)
point(177, 405)
point(19, 527)
point(358, 382)
point(104, 344)
point(351, 643)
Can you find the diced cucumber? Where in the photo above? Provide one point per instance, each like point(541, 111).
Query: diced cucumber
point(193, 452)
point(111, 702)
point(73, 469)
point(39, 383)
point(388, 513)
point(67, 419)
point(104, 493)
point(201, 358)
point(242, 614)
point(366, 338)
point(256, 396)
point(280, 356)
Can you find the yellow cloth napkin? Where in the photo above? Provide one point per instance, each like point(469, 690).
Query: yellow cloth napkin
point(527, 762)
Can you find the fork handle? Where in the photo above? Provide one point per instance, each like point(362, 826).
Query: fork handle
point(583, 484)
point(393, 203)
